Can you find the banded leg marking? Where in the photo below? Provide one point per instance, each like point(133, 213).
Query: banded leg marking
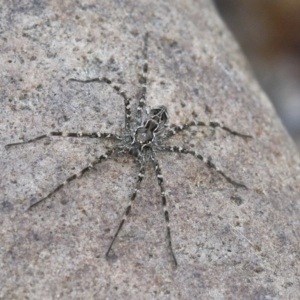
point(143, 79)
point(128, 208)
point(208, 162)
point(74, 176)
point(173, 130)
point(67, 134)
point(119, 92)
point(161, 184)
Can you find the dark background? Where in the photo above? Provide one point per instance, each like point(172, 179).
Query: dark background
point(269, 33)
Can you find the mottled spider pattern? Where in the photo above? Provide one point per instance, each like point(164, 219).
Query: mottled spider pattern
point(143, 137)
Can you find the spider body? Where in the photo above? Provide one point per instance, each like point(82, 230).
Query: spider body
point(142, 139)
point(145, 135)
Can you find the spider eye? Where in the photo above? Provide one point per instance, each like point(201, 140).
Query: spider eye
point(143, 136)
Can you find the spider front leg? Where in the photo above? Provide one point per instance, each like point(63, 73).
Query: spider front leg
point(67, 134)
point(161, 184)
point(129, 206)
point(208, 162)
point(90, 166)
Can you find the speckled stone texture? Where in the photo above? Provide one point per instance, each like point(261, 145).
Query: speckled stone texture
point(230, 243)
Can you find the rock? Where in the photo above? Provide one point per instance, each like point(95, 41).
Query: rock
point(230, 242)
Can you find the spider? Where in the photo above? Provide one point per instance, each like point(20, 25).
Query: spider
point(142, 138)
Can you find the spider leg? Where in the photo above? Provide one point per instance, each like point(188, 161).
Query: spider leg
point(128, 208)
point(208, 162)
point(173, 130)
point(119, 92)
point(143, 80)
point(67, 134)
point(100, 159)
point(161, 184)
